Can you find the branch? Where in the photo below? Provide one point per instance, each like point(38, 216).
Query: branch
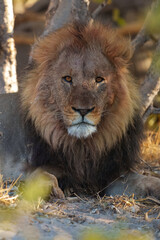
point(99, 9)
point(150, 110)
point(62, 12)
point(151, 84)
point(145, 33)
point(140, 39)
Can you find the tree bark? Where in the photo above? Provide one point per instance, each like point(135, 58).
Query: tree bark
point(62, 12)
point(8, 77)
point(151, 85)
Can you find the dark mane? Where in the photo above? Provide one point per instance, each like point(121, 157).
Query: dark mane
point(95, 161)
point(92, 178)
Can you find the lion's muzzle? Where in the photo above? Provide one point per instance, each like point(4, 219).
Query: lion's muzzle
point(82, 126)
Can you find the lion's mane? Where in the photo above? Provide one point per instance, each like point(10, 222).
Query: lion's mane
point(95, 161)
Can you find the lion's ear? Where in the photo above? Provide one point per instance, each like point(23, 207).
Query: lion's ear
point(119, 51)
point(43, 50)
point(115, 47)
point(124, 54)
point(48, 48)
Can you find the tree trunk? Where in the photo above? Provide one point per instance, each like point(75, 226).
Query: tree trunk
point(151, 84)
point(62, 12)
point(8, 77)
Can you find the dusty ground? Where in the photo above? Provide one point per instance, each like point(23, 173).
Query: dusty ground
point(74, 217)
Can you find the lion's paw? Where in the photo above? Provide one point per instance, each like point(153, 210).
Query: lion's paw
point(42, 184)
point(56, 192)
point(137, 184)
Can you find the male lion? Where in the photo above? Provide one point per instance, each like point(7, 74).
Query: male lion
point(83, 111)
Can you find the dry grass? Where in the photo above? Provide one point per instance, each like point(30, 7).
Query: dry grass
point(148, 208)
point(6, 198)
point(150, 148)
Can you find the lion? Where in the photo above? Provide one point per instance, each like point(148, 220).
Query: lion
point(82, 110)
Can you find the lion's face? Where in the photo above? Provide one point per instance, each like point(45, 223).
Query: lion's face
point(82, 89)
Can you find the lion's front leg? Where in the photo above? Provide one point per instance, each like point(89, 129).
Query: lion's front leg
point(41, 183)
point(137, 184)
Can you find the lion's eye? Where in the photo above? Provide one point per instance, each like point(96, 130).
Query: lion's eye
point(67, 79)
point(99, 79)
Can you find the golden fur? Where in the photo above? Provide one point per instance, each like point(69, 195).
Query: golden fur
point(48, 103)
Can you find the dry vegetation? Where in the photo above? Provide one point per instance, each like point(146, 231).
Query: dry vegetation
point(151, 148)
point(7, 196)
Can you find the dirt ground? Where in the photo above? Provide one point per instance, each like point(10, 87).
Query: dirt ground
point(82, 218)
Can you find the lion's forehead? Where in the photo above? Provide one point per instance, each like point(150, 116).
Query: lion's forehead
point(88, 62)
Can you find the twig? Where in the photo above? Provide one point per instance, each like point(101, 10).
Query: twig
point(150, 110)
point(142, 160)
point(99, 8)
point(80, 198)
point(153, 199)
point(97, 193)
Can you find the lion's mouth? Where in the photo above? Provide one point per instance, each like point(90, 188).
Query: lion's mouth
point(81, 129)
point(83, 123)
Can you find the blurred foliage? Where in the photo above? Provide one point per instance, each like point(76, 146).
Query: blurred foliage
point(101, 1)
point(157, 99)
point(153, 22)
point(158, 64)
point(37, 188)
point(117, 18)
point(153, 121)
point(115, 235)
point(115, 13)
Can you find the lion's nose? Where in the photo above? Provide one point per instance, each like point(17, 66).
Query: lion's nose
point(83, 112)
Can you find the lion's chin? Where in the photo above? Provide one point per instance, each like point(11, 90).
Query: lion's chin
point(81, 130)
